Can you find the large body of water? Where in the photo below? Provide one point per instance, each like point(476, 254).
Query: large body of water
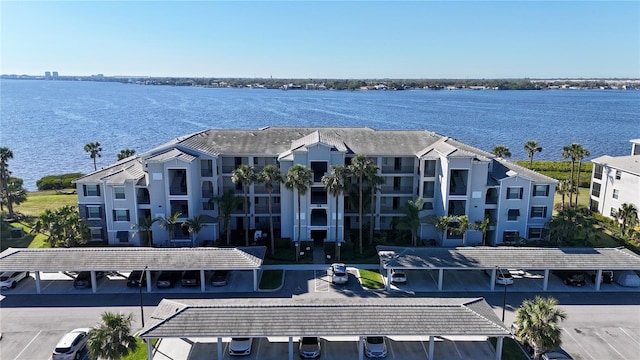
point(47, 123)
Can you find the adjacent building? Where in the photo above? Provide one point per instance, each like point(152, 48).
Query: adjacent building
point(182, 175)
point(615, 180)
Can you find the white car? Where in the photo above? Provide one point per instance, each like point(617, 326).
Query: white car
point(398, 276)
point(375, 347)
point(71, 345)
point(339, 273)
point(11, 278)
point(502, 277)
point(240, 346)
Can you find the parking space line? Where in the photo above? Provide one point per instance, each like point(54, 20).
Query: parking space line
point(629, 335)
point(584, 351)
point(611, 346)
point(25, 348)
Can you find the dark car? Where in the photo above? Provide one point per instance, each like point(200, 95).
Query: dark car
point(190, 278)
point(220, 277)
point(137, 278)
point(83, 279)
point(168, 279)
point(573, 278)
point(309, 347)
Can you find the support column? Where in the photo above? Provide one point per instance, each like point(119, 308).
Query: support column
point(432, 341)
point(290, 347)
point(149, 349)
point(360, 348)
point(440, 278)
point(203, 281)
point(94, 285)
point(545, 281)
point(220, 347)
point(388, 284)
point(499, 348)
point(493, 279)
point(598, 279)
point(38, 286)
point(147, 273)
point(255, 279)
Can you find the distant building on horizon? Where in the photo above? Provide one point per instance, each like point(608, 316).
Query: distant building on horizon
point(47, 75)
point(55, 75)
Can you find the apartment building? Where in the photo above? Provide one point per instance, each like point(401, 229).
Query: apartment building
point(182, 175)
point(615, 180)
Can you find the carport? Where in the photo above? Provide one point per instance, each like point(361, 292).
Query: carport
point(192, 318)
point(131, 259)
point(503, 257)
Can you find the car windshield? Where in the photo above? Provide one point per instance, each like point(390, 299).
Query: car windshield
point(309, 340)
point(4, 278)
point(62, 350)
point(375, 340)
point(240, 339)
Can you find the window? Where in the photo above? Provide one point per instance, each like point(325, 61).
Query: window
point(96, 234)
point(616, 193)
point(618, 174)
point(512, 214)
point(429, 168)
point(92, 190)
point(207, 205)
point(118, 192)
point(593, 205)
point(510, 236)
point(535, 234)
point(427, 205)
point(514, 193)
point(121, 215)
point(597, 172)
point(613, 212)
point(429, 189)
point(122, 236)
point(538, 211)
point(94, 212)
point(595, 189)
point(541, 190)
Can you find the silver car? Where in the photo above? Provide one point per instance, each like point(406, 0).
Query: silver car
point(10, 279)
point(309, 347)
point(375, 347)
point(339, 273)
point(71, 345)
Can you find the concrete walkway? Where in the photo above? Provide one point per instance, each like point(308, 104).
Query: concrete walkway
point(318, 255)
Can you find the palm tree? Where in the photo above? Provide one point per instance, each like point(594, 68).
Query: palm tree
point(359, 167)
point(459, 226)
point(245, 175)
point(125, 153)
point(170, 223)
point(564, 188)
point(531, 147)
point(94, 149)
point(227, 203)
point(627, 218)
point(271, 176)
point(375, 181)
point(441, 223)
point(582, 153)
point(15, 194)
point(572, 152)
point(5, 155)
point(501, 151)
point(411, 219)
point(144, 227)
point(299, 178)
point(194, 226)
point(483, 227)
point(112, 339)
point(336, 184)
point(537, 323)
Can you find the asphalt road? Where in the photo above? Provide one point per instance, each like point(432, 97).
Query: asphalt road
point(599, 325)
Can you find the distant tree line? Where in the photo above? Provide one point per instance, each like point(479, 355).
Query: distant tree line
point(57, 182)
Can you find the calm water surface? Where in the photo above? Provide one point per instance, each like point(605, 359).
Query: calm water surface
point(47, 123)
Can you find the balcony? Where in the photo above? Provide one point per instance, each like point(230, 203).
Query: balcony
point(404, 169)
point(318, 217)
point(396, 190)
point(142, 196)
point(178, 185)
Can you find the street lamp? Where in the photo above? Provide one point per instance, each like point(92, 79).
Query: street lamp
point(504, 295)
point(142, 275)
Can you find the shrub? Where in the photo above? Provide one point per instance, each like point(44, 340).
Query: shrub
point(57, 182)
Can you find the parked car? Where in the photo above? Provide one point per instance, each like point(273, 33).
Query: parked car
point(71, 345)
point(240, 346)
point(503, 277)
point(137, 278)
point(556, 355)
point(309, 347)
point(607, 276)
point(168, 279)
point(339, 273)
point(190, 278)
point(398, 276)
point(220, 277)
point(83, 279)
point(627, 278)
point(375, 347)
point(573, 278)
point(11, 278)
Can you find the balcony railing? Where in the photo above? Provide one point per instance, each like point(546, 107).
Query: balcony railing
point(390, 169)
point(396, 189)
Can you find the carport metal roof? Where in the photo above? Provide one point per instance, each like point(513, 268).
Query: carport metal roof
point(533, 258)
point(323, 317)
point(103, 259)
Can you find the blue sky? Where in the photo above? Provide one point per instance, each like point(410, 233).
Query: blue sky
point(324, 39)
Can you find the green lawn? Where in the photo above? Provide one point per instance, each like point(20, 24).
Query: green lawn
point(371, 279)
point(141, 351)
point(271, 279)
point(39, 201)
point(510, 349)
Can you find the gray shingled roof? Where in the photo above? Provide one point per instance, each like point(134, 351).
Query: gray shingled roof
point(130, 258)
point(323, 317)
point(127, 169)
point(503, 168)
point(630, 163)
point(508, 257)
point(171, 154)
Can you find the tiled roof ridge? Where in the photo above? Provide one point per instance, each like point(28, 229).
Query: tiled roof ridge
point(523, 170)
point(478, 301)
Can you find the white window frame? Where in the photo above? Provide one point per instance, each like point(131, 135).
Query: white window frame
point(91, 233)
point(618, 174)
point(536, 229)
point(616, 193)
point(545, 191)
point(89, 212)
point(517, 214)
point(116, 216)
point(520, 192)
point(95, 187)
point(542, 209)
point(119, 191)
